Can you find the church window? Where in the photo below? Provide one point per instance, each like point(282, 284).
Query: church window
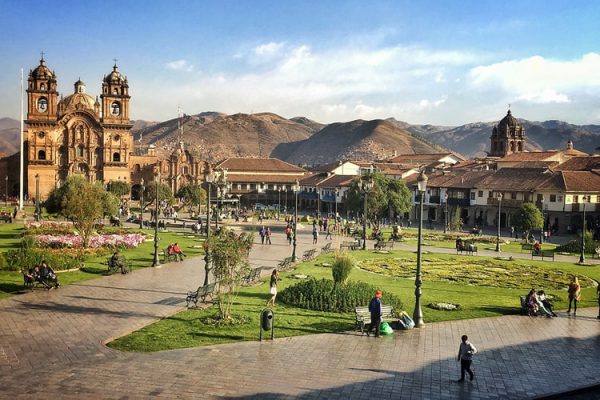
point(41, 155)
point(184, 170)
point(520, 146)
point(80, 151)
point(115, 92)
point(42, 86)
point(116, 157)
point(480, 193)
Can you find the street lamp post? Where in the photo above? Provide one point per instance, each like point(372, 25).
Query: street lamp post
point(278, 202)
point(582, 255)
point(336, 210)
point(37, 197)
point(543, 223)
point(156, 261)
point(296, 189)
point(446, 212)
point(318, 202)
point(239, 197)
point(418, 313)
point(498, 234)
point(6, 191)
point(221, 183)
point(208, 178)
point(142, 205)
point(366, 184)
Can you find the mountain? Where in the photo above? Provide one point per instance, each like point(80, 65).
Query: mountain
point(474, 139)
point(9, 136)
point(358, 140)
point(215, 136)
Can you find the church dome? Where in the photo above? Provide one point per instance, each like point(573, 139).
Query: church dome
point(42, 71)
point(115, 77)
point(78, 100)
point(509, 120)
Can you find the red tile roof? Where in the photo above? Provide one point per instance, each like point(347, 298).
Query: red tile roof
point(421, 158)
point(580, 164)
point(250, 164)
point(581, 181)
point(338, 181)
point(271, 178)
point(529, 156)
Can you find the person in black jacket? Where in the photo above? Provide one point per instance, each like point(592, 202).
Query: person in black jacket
point(375, 310)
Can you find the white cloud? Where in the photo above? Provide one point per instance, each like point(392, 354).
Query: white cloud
point(538, 79)
point(268, 49)
point(180, 65)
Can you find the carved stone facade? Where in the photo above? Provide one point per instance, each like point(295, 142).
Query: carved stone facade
point(76, 135)
point(181, 168)
point(508, 137)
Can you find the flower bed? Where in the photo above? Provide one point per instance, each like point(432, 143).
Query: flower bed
point(130, 240)
point(49, 228)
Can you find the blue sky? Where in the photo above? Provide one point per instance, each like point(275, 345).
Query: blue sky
point(438, 62)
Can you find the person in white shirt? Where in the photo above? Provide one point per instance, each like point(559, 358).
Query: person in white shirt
point(465, 356)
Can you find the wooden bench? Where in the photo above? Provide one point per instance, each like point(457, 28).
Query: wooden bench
point(526, 247)
point(353, 245)
point(363, 317)
point(326, 248)
point(202, 293)
point(383, 245)
point(467, 247)
point(169, 257)
point(114, 267)
point(30, 283)
point(285, 264)
point(252, 276)
point(543, 254)
point(309, 255)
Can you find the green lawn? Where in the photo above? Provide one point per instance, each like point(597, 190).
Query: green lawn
point(11, 282)
point(187, 329)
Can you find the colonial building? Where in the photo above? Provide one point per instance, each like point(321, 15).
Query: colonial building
point(77, 134)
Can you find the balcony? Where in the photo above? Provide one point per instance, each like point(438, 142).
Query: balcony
point(510, 203)
point(459, 202)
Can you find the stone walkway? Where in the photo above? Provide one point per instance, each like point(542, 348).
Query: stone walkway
point(52, 346)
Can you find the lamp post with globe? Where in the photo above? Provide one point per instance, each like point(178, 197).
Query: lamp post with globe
point(418, 313)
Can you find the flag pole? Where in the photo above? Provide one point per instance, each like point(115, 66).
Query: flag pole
point(22, 149)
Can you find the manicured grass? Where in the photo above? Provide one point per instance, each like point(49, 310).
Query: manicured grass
point(187, 328)
point(11, 282)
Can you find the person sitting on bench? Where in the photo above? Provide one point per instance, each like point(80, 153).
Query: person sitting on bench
point(537, 247)
point(177, 251)
point(118, 261)
point(29, 276)
point(48, 276)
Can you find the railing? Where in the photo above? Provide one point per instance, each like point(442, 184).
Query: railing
point(459, 202)
point(493, 201)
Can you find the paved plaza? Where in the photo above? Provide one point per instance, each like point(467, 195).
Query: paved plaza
point(52, 346)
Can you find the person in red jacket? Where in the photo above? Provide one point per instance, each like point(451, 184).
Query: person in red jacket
point(177, 251)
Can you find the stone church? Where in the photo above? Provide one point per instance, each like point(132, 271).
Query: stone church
point(508, 137)
point(77, 134)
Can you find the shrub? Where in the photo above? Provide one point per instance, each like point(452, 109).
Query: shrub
point(341, 268)
point(23, 259)
point(322, 295)
point(574, 246)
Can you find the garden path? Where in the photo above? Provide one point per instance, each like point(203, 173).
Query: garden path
point(51, 346)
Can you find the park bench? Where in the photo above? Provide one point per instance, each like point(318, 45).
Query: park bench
point(326, 248)
point(363, 317)
point(285, 264)
point(169, 257)
point(526, 247)
point(525, 310)
point(116, 222)
point(543, 254)
point(252, 276)
point(383, 245)
point(6, 217)
point(202, 293)
point(116, 266)
point(352, 245)
point(466, 247)
point(309, 255)
point(30, 283)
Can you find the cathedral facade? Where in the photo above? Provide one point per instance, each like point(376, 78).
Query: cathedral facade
point(77, 134)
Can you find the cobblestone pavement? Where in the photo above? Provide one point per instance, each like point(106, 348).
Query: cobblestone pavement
point(51, 346)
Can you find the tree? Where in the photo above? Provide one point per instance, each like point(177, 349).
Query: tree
point(527, 217)
point(164, 193)
point(83, 203)
point(388, 195)
point(191, 195)
point(456, 221)
point(119, 188)
point(229, 255)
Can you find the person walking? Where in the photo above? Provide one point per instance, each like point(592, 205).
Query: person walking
point(268, 235)
point(315, 234)
point(273, 287)
point(574, 291)
point(262, 234)
point(465, 356)
point(375, 310)
point(328, 235)
point(288, 234)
